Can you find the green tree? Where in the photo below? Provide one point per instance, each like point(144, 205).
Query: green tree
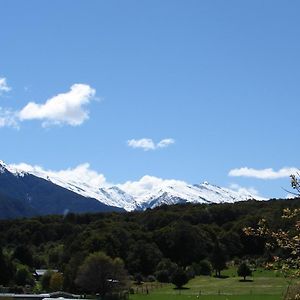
point(101, 274)
point(23, 276)
point(143, 258)
point(165, 270)
point(244, 270)
point(45, 281)
point(179, 278)
point(205, 267)
point(218, 258)
point(6, 269)
point(70, 271)
point(24, 255)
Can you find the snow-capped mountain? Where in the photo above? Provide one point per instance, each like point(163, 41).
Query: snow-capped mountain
point(121, 196)
point(36, 194)
point(198, 193)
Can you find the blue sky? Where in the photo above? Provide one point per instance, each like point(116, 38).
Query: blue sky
point(216, 82)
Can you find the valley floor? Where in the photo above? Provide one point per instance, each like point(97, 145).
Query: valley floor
point(265, 285)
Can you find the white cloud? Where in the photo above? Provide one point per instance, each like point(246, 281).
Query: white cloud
point(148, 184)
point(268, 173)
point(8, 118)
point(290, 196)
point(82, 173)
point(246, 190)
point(148, 144)
point(65, 108)
point(165, 143)
point(3, 85)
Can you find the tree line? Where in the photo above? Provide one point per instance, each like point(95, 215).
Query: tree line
point(161, 244)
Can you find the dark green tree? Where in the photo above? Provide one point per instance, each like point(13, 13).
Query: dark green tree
point(204, 267)
point(218, 258)
point(179, 278)
point(143, 258)
point(165, 270)
point(6, 269)
point(23, 276)
point(70, 271)
point(24, 255)
point(101, 274)
point(45, 281)
point(244, 270)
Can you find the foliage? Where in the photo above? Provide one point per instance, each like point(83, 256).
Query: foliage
point(179, 278)
point(101, 274)
point(45, 280)
point(244, 270)
point(218, 258)
point(56, 282)
point(165, 270)
point(181, 234)
point(7, 269)
point(24, 255)
point(204, 267)
point(23, 276)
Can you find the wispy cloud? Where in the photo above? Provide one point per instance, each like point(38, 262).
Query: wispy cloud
point(266, 174)
point(148, 144)
point(65, 108)
point(246, 190)
point(3, 85)
point(8, 118)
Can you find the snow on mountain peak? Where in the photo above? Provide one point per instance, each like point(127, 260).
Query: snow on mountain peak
point(148, 192)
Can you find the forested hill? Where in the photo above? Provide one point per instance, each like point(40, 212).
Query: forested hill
point(183, 233)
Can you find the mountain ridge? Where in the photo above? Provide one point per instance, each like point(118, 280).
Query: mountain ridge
point(116, 196)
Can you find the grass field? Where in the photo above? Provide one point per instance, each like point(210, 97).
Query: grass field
point(264, 285)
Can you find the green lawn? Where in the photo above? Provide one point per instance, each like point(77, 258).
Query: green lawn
point(265, 285)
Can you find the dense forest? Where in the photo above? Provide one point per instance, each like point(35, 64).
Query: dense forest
point(150, 243)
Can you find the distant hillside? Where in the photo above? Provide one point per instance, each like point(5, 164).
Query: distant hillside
point(31, 195)
point(14, 208)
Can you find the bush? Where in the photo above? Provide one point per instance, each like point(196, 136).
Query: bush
point(23, 277)
point(179, 278)
point(163, 276)
point(151, 278)
point(205, 268)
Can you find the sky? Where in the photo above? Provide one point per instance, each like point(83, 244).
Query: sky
point(185, 90)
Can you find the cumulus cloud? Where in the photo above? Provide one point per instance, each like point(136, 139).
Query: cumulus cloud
point(65, 108)
point(148, 184)
point(3, 85)
point(268, 173)
point(148, 144)
point(82, 173)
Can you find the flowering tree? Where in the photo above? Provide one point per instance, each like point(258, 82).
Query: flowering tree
point(288, 241)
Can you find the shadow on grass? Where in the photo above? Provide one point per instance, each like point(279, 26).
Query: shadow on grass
point(182, 288)
point(246, 280)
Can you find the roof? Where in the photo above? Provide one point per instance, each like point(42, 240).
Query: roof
point(41, 272)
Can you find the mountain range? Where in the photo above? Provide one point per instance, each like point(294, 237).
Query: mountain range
point(38, 192)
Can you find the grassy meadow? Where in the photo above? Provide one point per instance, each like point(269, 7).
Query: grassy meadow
point(266, 285)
